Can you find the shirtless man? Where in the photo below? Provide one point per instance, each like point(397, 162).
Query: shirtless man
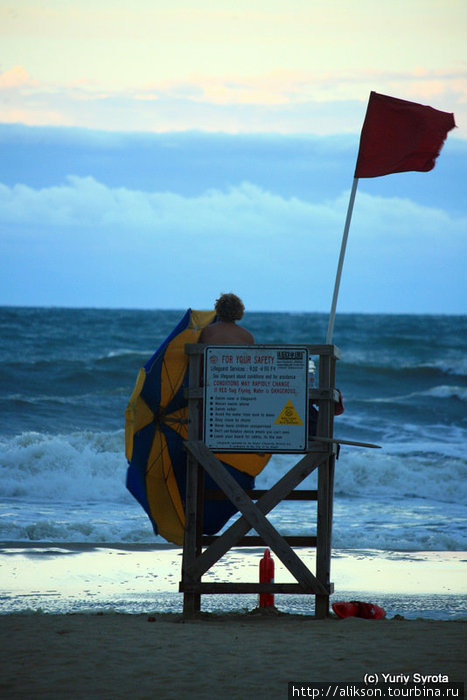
point(229, 308)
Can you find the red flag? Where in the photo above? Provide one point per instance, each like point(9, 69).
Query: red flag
point(398, 136)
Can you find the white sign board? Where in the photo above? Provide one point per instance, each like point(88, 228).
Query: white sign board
point(256, 398)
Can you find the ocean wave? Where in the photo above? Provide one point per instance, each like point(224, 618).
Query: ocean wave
point(443, 391)
point(91, 466)
point(409, 524)
point(76, 399)
point(84, 466)
point(71, 488)
point(127, 352)
point(424, 427)
point(402, 475)
point(44, 398)
point(395, 365)
point(447, 392)
point(455, 365)
point(409, 537)
point(72, 522)
point(354, 526)
point(399, 471)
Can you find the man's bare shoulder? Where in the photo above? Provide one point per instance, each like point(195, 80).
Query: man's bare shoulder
point(245, 337)
point(226, 334)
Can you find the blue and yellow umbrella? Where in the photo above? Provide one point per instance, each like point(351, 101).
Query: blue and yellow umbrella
point(155, 427)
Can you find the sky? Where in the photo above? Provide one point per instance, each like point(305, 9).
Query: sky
point(155, 154)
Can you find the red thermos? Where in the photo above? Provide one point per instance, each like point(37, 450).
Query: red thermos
point(266, 575)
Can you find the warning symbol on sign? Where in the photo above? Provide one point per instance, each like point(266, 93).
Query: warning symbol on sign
point(288, 415)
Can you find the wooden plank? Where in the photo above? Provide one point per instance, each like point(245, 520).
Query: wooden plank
point(323, 394)
point(191, 603)
point(324, 509)
point(240, 527)
point(322, 602)
point(255, 517)
point(313, 349)
point(193, 392)
point(194, 349)
point(256, 494)
point(323, 537)
point(220, 587)
point(257, 541)
point(193, 526)
point(323, 350)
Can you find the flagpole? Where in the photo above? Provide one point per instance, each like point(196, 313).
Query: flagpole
point(340, 264)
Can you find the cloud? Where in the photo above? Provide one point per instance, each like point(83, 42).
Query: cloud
point(281, 87)
point(85, 202)
point(239, 210)
point(16, 77)
point(284, 101)
point(86, 241)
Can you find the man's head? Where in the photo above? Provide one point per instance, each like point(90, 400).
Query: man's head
point(229, 307)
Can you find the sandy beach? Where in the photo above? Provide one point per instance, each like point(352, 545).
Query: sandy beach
point(105, 622)
point(230, 656)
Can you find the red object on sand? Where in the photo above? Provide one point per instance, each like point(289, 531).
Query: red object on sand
point(266, 575)
point(356, 608)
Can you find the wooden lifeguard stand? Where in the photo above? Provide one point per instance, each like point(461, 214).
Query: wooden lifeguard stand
point(201, 552)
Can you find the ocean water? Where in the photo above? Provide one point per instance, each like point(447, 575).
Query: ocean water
point(66, 376)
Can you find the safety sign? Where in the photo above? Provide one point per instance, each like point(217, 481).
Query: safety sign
point(256, 398)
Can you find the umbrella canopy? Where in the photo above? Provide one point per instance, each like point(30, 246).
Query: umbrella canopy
point(155, 427)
